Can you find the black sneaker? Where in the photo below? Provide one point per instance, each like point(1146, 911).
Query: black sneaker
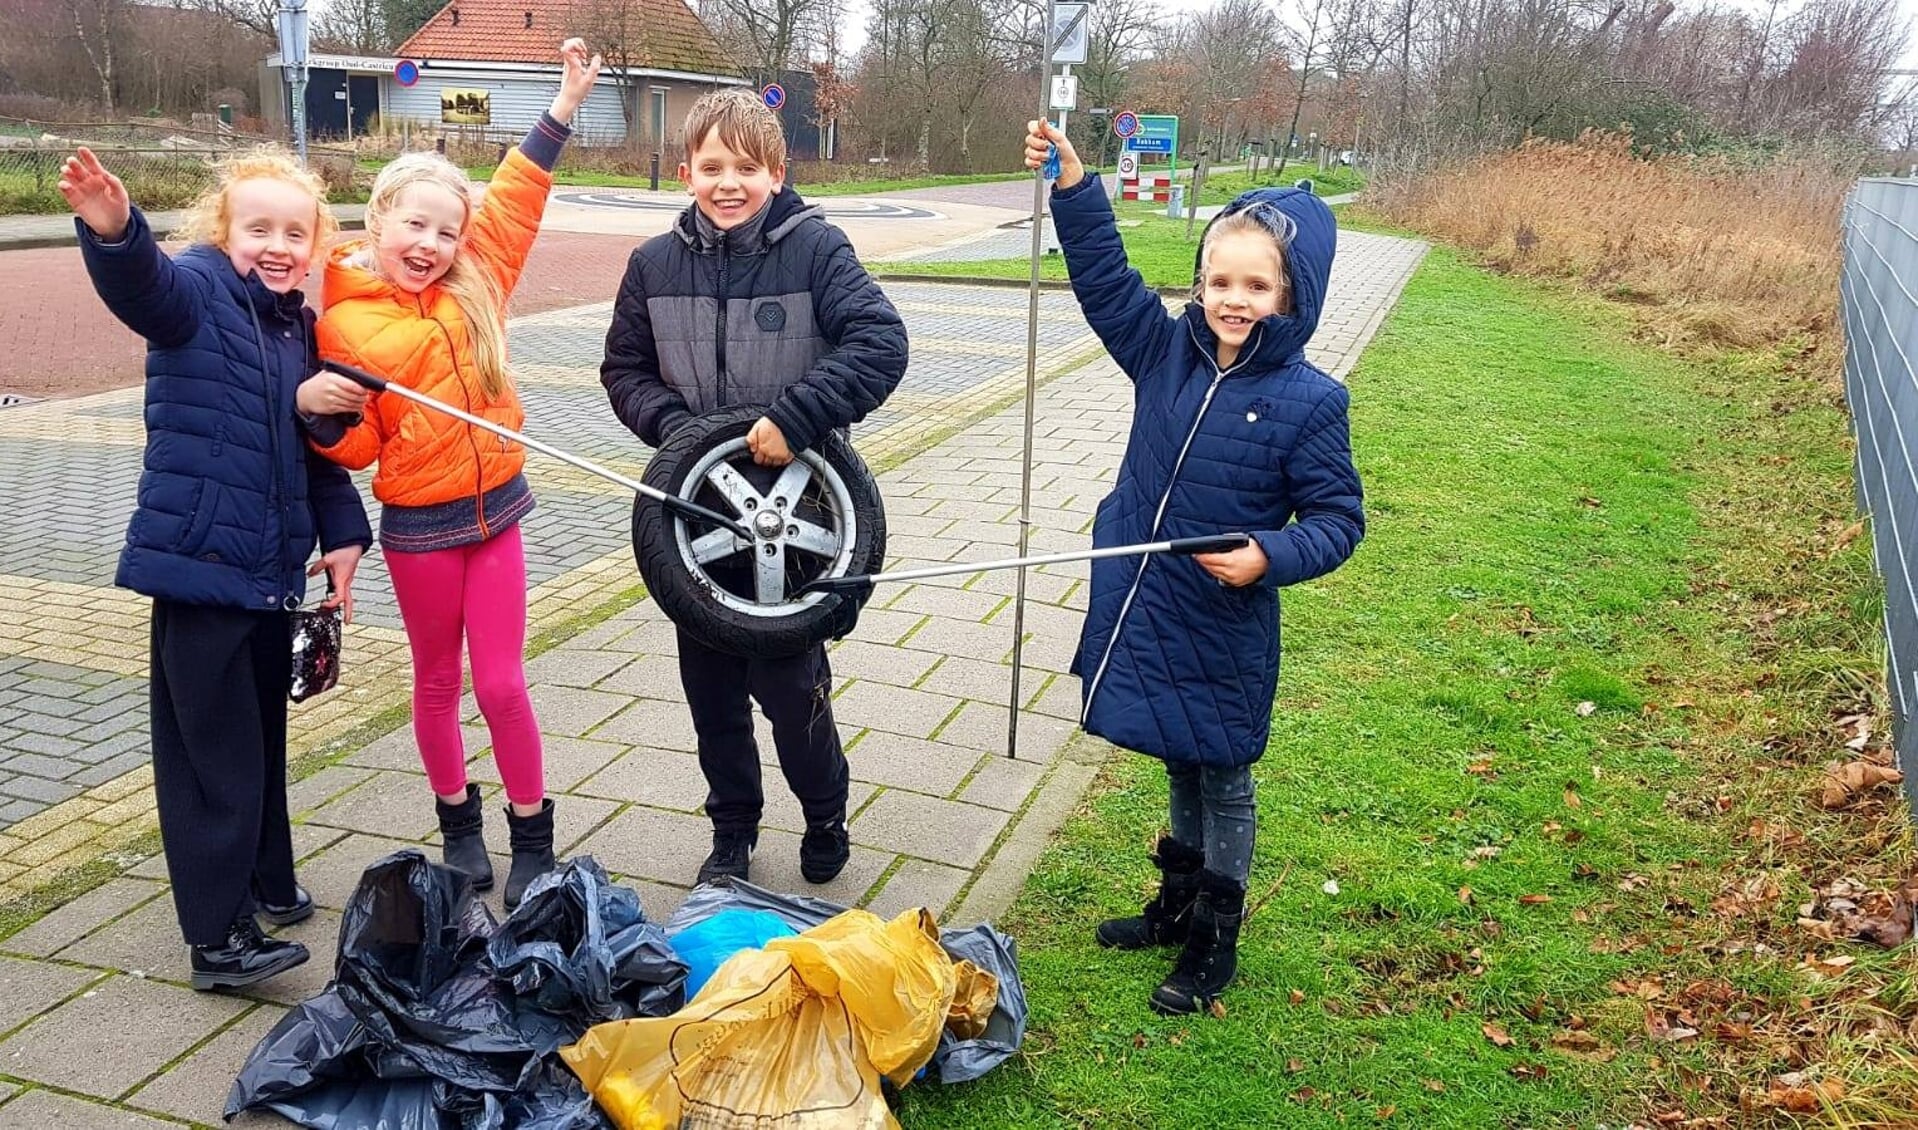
point(299, 910)
point(823, 852)
point(246, 957)
point(732, 855)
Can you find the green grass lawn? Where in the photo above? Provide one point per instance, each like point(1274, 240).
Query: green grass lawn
point(1157, 246)
point(1487, 738)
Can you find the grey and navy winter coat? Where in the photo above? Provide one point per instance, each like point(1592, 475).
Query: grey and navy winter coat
point(1174, 663)
point(776, 312)
point(231, 500)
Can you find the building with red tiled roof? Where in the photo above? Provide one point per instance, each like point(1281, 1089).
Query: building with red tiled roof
point(491, 66)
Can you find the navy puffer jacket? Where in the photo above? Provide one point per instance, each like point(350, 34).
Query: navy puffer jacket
point(232, 499)
point(1174, 663)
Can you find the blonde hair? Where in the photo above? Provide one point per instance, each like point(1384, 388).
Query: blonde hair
point(744, 122)
point(472, 286)
point(210, 217)
point(1260, 219)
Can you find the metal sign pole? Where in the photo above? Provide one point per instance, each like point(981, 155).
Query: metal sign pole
point(293, 47)
point(1032, 384)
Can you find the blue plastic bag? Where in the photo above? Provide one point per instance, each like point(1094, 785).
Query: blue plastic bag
point(705, 946)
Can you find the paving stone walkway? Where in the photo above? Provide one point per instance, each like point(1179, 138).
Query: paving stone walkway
point(97, 1028)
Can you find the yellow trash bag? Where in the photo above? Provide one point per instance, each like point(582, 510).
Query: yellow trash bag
point(795, 1035)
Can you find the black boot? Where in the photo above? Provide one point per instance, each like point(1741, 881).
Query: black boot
point(1169, 914)
point(1211, 956)
point(824, 850)
point(532, 839)
point(732, 854)
point(462, 847)
point(246, 957)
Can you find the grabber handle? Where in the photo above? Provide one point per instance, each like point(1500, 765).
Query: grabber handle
point(1211, 543)
point(359, 377)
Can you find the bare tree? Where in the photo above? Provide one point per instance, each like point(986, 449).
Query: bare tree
point(620, 31)
point(353, 25)
point(97, 24)
point(765, 35)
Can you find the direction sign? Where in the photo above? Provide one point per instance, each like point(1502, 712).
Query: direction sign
point(774, 94)
point(1071, 32)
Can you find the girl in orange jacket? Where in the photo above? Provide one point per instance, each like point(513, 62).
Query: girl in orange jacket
point(422, 302)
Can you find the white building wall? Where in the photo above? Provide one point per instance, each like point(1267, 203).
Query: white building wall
point(517, 98)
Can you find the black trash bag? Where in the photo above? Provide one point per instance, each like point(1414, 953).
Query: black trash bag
point(580, 951)
point(956, 1061)
point(420, 1031)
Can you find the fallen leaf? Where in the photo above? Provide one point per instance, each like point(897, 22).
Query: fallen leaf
point(1138, 1039)
point(1331, 887)
point(1845, 537)
point(1482, 767)
point(1659, 1026)
point(1808, 1099)
point(1533, 900)
point(1496, 1034)
point(1434, 1086)
point(1304, 1094)
point(1217, 1008)
point(1586, 709)
point(1298, 997)
point(1590, 503)
point(1575, 1041)
point(1387, 1111)
point(1732, 1033)
point(1295, 1065)
point(1571, 798)
point(1830, 966)
point(1850, 781)
point(1528, 1071)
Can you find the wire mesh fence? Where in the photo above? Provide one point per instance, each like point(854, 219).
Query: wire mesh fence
point(1878, 294)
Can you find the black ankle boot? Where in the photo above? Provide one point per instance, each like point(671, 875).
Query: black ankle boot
point(1168, 916)
point(246, 957)
point(1211, 956)
point(462, 847)
point(532, 840)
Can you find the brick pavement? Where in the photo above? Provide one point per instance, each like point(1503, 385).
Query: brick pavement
point(941, 818)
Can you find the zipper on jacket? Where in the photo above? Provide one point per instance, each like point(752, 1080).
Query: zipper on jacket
point(719, 345)
point(1218, 377)
point(479, 464)
point(276, 486)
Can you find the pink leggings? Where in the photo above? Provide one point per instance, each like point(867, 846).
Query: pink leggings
point(478, 591)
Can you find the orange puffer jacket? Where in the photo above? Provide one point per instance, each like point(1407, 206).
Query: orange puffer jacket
point(420, 340)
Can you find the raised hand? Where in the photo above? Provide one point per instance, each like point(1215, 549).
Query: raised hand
point(95, 195)
point(581, 72)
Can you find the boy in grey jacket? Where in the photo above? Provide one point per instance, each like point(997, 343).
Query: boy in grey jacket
point(753, 298)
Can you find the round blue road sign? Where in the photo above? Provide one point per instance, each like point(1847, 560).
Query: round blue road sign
point(406, 73)
point(774, 94)
point(1125, 123)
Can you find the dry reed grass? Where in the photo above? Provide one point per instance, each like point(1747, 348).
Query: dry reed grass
point(1712, 253)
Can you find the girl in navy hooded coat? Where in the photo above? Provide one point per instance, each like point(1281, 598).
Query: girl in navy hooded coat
point(1233, 430)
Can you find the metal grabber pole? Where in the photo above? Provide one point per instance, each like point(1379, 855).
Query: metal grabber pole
point(1032, 384)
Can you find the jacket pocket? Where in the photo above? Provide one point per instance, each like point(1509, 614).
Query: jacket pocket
point(199, 523)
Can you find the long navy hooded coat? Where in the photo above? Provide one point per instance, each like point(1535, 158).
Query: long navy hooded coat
point(1173, 663)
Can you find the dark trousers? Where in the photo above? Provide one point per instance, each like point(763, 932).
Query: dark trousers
point(796, 694)
point(220, 678)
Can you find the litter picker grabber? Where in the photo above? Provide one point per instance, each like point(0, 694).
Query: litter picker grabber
point(681, 506)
